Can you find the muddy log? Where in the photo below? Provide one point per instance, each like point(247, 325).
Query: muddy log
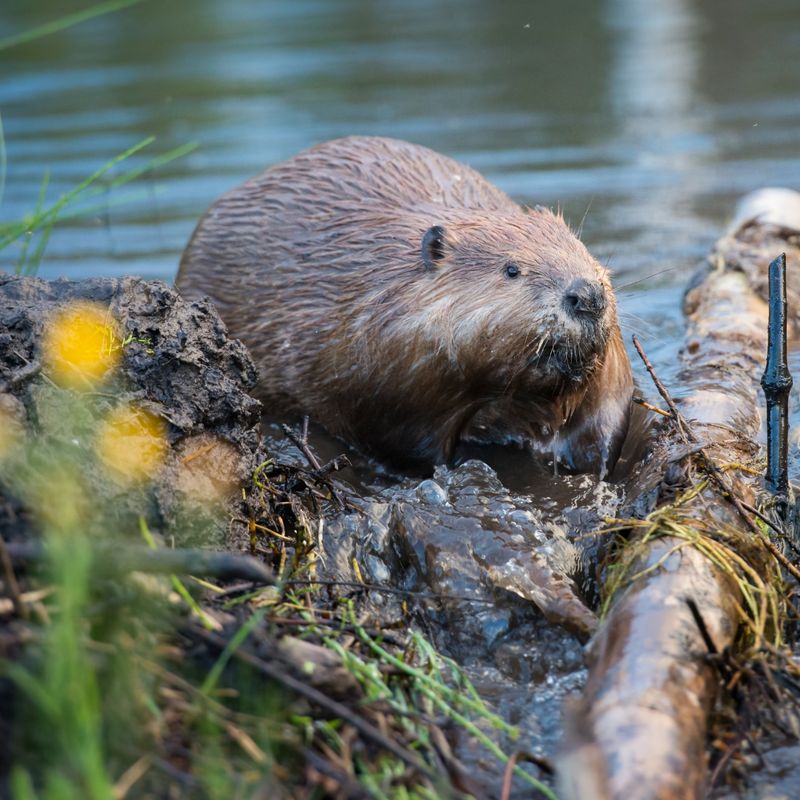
point(640, 728)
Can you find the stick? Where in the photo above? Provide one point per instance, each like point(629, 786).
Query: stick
point(713, 470)
point(776, 383)
point(301, 442)
point(321, 472)
point(376, 587)
point(333, 707)
point(640, 401)
point(113, 559)
point(702, 627)
point(13, 587)
point(662, 390)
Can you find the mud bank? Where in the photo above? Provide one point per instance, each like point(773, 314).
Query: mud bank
point(175, 361)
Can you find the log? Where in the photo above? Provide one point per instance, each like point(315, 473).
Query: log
point(639, 731)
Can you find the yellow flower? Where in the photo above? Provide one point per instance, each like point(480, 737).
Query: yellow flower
point(80, 345)
point(132, 443)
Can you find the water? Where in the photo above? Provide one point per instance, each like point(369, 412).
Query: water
point(654, 118)
point(643, 121)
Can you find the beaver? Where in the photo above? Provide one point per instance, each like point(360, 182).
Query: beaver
point(406, 304)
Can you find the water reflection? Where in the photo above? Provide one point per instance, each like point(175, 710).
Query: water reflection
point(652, 118)
point(644, 111)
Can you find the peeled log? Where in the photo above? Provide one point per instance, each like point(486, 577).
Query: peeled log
point(639, 731)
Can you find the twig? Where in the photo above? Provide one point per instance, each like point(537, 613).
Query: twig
point(334, 465)
point(776, 382)
point(301, 442)
point(776, 528)
point(128, 778)
point(31, 369)
point(112, 559)
point(392, 590)
point(765, 519)
point(519, 755)
point(662, 390)
point(333, 707)
point(788, 566)
point(469, 785)
point(508, 775)
point(346, 784)
point(711, 647)
point(726, 756)
point(640, 401)
point(320, 472)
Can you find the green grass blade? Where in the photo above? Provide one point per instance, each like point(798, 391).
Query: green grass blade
point(34, 688)
point(177, 583)
point(58, 25)
point(23, 255)
point(478, 734)
point(32, 266)
point(42, 220)
point(22, 784)
point(3, 160)
point(237, 640)
point(88, 203)
point(154, 163)
point(42, 217)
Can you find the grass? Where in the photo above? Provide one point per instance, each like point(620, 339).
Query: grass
point(116, 695)
point(3, 160)
point(441, 686)
point(32, 233)
point(106, 682)
point(63, 693)
point(65, 22)
point(102, 683)
point(742, 558)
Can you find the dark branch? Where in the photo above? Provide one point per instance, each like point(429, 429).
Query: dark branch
point(776, 383)
point(113, 559)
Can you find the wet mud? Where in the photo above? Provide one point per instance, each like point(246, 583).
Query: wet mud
point(176, 361)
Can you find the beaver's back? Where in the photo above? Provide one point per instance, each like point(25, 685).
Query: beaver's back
point(358, 172)
point(337, 196)
point(281, 254)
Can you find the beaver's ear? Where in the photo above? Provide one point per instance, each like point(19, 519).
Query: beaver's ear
point(433, 246)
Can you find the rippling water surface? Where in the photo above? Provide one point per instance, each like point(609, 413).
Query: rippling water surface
point(643, 121)
point(654, 117)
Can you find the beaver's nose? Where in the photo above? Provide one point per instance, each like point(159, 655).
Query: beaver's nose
point(584, 297)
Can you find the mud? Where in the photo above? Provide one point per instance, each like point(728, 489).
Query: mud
point(177, 361)
point(508, 577)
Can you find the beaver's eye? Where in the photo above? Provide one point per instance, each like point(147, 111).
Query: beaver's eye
point(512, 270)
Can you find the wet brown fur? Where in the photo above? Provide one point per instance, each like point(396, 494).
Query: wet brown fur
point(317, 265)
